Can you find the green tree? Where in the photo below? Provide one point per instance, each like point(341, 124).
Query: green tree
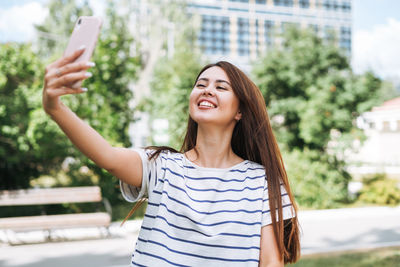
point(175, 72)
point(313, 99)
point(171, 87)
point(21, 155)
point(32, 145)
point(105, 106)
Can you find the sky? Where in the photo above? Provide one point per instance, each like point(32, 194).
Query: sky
point(375, 40)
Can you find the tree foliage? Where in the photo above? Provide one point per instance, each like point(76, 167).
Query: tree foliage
point(22, 154)
point(313, 98)
point(174, 78)
point(31, 144)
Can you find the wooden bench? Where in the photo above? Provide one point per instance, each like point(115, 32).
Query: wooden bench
point(45, 196)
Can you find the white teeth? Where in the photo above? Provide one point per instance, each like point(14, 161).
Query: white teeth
point(206, 104)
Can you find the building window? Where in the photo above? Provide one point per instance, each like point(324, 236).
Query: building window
point(345, 38)
point(257, 29)
point(243, 37)
point(304, 3)
point(346, 7)
point(268, 32)
point(262, 2)
point(287, 3)
point(214, 35)
point(327, 4)
point(334, 5)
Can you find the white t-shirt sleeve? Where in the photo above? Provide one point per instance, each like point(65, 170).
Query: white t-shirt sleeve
point(287, 207)
point(153, 171)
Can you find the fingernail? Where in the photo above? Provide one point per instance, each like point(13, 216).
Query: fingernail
point(82, 47)
point(84, 89)
point(88, 74)
point(90, 64)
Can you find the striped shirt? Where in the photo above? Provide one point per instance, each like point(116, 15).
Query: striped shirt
point(199, 216)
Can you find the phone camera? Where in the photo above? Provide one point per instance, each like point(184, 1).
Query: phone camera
point(79, 21)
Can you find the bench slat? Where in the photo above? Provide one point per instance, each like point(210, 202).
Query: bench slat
point(56, 221)
point(50, 196)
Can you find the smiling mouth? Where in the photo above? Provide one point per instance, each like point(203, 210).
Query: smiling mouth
point(206, 104)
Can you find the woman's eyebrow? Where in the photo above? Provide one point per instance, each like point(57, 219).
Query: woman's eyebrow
point(203, 79)
point(223, 81)
point(218, 81)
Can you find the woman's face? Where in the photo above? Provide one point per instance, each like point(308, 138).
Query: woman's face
point(212, 100)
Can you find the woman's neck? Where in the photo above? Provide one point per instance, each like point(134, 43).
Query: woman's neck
point(214, 149)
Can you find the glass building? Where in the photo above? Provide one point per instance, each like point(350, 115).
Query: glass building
point(242, 30)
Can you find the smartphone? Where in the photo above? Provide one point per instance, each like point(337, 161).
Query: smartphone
point(86, 32)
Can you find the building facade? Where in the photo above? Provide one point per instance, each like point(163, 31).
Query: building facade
point(380, 153)
point(242, 30)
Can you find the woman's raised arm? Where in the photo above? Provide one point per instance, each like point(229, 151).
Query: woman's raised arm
point(60, 76)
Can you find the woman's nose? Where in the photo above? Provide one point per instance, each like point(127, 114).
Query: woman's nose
point(208, 91)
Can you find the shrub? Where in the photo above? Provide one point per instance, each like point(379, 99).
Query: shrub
point(315, 180)
point(381, 190)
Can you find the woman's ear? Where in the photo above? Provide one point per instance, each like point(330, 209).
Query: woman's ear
point(238, 115)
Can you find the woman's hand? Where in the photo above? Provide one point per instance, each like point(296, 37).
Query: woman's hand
point(59, 78)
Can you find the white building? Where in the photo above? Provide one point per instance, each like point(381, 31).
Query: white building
point(380, 153)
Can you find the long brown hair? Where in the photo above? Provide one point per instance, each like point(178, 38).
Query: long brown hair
point(253, 139)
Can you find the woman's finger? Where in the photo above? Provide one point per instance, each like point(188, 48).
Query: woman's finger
point(69, 68)
point(67, 58)
point(68, 79)
point(65, 91)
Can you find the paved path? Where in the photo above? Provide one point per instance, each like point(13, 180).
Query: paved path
point(323, 231)
point(348, 229)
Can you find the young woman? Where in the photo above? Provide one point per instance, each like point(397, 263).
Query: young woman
point(224, 200)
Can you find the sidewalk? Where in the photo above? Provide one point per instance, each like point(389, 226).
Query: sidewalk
point(349, 229)
point(322, 231)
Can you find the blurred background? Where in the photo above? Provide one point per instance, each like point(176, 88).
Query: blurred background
point(329, 71)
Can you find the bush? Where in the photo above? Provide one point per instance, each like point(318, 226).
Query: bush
point(316, 182)
point(381, 190)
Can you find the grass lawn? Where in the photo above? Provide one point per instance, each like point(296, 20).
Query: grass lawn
point(383, 257)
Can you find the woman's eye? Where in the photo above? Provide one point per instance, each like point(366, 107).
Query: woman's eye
point(219, 87)
point(201, 85)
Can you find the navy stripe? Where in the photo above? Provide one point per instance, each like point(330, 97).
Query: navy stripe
point(137, 264)
point(284, 206)
point(198, 243)
point(195, 255)
point(193, 230)
point(214, 212)
point(209, 201)
point(150, 216)
point(243, 171)
point(189, 167)
point(150, 176)
point(212, 178)
point(226, 190)
point(161, 258)
point(172, 159)
point(206, 224)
